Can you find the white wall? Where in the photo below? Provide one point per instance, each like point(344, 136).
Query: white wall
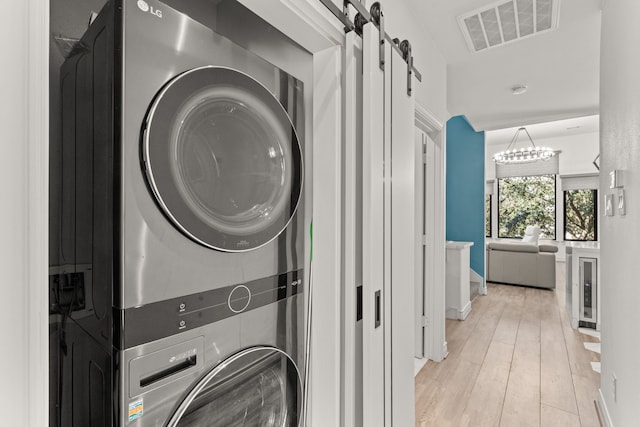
point(23, 217)
point(620, 148)
point(13, 179)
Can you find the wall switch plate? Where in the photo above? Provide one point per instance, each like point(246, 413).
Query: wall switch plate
point(608, 204)
point(615, 179)
point(622, 210)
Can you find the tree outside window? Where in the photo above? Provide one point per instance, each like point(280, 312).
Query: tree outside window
point(580, 215)
point(527, 200)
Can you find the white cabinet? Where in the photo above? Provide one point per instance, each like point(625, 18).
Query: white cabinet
point(458, 280)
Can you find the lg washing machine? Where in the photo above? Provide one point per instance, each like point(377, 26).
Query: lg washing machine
point(182, 228)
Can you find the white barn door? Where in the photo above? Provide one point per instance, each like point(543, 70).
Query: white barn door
point(389, 236)
point(352, 234)
point(405, 238)
point(373, 243)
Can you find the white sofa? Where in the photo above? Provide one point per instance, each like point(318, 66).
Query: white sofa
point(522, 263)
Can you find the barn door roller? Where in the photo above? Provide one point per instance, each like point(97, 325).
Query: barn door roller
point(405, 47)
point(376, 16)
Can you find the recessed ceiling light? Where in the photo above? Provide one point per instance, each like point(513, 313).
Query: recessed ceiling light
point(519, 90)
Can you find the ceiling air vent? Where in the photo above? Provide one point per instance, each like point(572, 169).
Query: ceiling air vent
point(505, 22)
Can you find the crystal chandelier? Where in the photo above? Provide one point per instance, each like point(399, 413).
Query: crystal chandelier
point(529, 154)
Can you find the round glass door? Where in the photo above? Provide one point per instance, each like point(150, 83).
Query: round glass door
point(223, 159)
point(258, 387)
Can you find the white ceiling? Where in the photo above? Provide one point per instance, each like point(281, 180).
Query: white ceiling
point(542, 131)
point(560, 67)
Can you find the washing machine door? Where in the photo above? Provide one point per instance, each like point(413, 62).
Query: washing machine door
point(259, 387)
point(222, 159)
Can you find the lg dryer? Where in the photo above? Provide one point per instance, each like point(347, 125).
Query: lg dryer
point(182, 207)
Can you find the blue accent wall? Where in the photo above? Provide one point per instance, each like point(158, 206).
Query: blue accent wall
point(465, 188)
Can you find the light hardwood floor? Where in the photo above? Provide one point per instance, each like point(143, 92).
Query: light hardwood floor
point(515, 361)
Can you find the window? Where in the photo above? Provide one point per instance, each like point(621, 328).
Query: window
point(580, 215)
point(527, 200)
point(487, 215)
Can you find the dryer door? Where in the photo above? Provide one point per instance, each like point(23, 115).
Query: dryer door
point(223, 159)
point(260, 387)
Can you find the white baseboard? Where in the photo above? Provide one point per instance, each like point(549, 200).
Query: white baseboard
point(418, 364)
point(475, 277)
point(442, 355)
point(574, 322)
point(465, 311)
point(595, 347)
point(454, 313)
point(590, 332)
point(601, 405)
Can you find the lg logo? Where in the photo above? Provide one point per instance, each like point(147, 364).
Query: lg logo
point(144, 6)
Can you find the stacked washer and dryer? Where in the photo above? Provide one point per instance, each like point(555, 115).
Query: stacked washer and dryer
point(182, 227)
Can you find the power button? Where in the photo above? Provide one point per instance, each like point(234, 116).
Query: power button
point(239, 299)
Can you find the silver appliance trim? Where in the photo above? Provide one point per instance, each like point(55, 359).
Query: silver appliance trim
point(149, 171)
point(179, 412)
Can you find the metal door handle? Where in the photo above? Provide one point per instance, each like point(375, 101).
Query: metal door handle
point(378, 313)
